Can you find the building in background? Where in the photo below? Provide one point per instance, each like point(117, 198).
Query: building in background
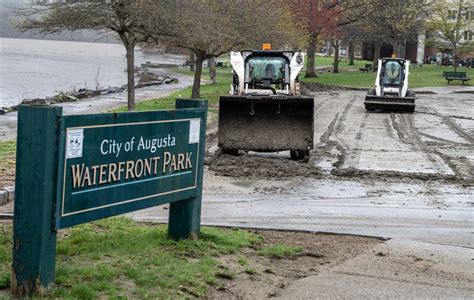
point(427, 47)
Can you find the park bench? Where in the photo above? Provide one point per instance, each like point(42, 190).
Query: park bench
point(221, 64)
point(450, 76)
point(366, 68)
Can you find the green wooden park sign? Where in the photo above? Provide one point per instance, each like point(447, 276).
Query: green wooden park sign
point(73, 169)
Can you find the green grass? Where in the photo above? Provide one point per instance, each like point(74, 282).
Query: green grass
point(242, 261)
point(7, 148)
point(117, 257)
point(208, 92)
point(279, 251)
point(7, 162)
point(351, 76)
point(251, 271)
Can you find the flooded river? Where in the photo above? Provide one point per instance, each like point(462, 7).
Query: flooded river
point(38, 68)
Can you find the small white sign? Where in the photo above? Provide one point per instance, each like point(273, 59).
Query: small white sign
point(194, 131)
point(74, 143)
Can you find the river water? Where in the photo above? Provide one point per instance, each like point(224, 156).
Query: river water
point(38, 68)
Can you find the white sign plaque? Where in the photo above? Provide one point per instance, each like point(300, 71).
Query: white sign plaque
point(194, 130)
point(74, 140)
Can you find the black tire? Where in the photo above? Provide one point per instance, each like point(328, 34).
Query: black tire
point(371, 92)
point(298, 154)
point(368, 108)
point(229, 151)
point(411, 94)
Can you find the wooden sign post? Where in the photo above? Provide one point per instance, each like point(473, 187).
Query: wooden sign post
point(80, 168)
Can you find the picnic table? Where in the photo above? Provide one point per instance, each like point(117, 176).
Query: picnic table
point(366, 68)
point(221, 64)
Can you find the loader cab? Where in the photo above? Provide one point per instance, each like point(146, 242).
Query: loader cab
point(392, 73)
point(267, 70)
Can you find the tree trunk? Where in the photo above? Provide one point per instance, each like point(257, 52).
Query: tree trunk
point(400, 49)
point(351, 53)
point(212, 70)
point(196, 94)
point(455, 58)
point(129, 43)
point(377, 48)
point(310, 72)
point(336, 57)
point(191, 61)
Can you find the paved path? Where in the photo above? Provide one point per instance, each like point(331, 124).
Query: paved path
point(437, 213)
point(397, 269)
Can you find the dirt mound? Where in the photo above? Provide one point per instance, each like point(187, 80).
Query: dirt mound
point(388, 175)
point(252, 166)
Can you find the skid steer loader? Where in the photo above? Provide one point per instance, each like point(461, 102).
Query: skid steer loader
point(264, 111)
point(391, 91)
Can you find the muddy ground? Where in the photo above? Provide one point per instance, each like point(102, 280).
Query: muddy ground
point(434, 143)
point(263, 277)
point(7, 170)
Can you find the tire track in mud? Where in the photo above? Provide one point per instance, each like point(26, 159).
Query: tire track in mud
point(317, 106)
point(335, 150)
point(426, 112)
point(357, 150)
point(435, 138)
point(454, 127)
point(388, 124)
point(441, 140)
point(461, 166)
point(335, 127)
point(409, 134)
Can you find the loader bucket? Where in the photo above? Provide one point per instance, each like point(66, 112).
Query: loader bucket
point(387, 103)
point(266, 123)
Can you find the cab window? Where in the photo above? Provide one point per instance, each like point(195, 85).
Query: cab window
point(392, 73)
point(266, 68)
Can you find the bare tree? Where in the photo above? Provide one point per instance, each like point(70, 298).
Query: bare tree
point(129, 19)
point(452, 22)
point(316, 16)
point(396, 21)
point(210, 28)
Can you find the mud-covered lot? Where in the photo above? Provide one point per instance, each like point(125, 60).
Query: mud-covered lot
point(378, 174)
point(375, 173)
point(434, 143)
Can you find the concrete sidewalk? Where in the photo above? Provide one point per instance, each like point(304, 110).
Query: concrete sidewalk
point(400, 269)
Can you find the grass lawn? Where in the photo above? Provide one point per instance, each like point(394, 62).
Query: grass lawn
point(351, 76)
point(7, 162)
point(7, 148)
point(117, 257)
point(280, 251)
point(208, 92)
